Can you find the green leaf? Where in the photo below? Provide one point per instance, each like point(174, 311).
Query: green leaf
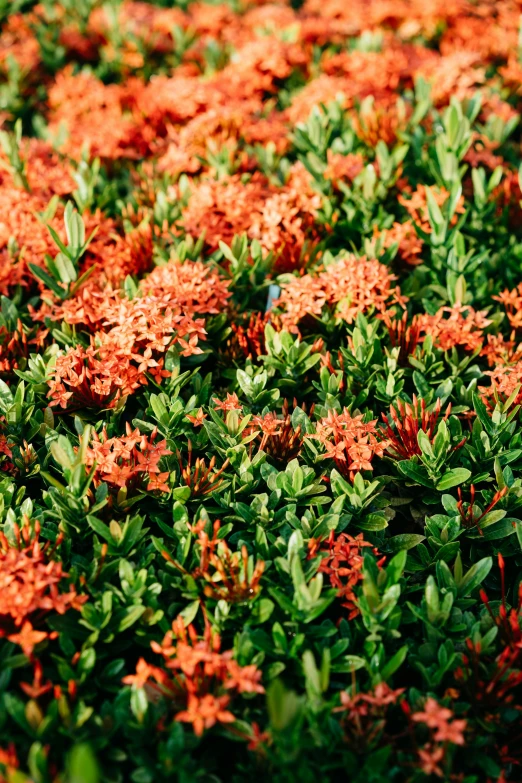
point(415, 473)
point(74, 227)
point(354, 662)
point(189, 612)
point(261, 611)
point(453, 478)
point(395, 567)
point(519, 532)
point(127, 617)
point(475, 576)
point(100, 528)
point(82, 766)
point(404, 541)
point(58, 241)
point(65, 268)
point(394, 663)
point(312, 677)
point(373, 522)
point(483, 415)
point(283, 705)
point(42, 275)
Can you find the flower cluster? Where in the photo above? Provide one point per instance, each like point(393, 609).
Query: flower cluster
point(343, 562)
point(505, 385)
point(30, 581)
point(130, 461)
point(455, 326)
point(445, 728)
point(198, 675)
point(348, 287)
point(349, 441)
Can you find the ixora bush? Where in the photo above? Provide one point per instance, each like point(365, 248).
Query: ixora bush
point(260, 391)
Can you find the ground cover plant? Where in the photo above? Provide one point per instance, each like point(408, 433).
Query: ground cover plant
point(260, 391)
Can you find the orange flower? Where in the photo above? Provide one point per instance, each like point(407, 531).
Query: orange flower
point(380, 121)
point(191, 286)
point(232, 580)
point(197, 677)
point(437, 717)
point(198, 419)
point(244, 679)
point(434, 714)
point(349, 441)
point(205, 712)
point(498, 350)
point(343, 166)
point(15, 346)
point(144, 673)
point(29, 582)
point(94, 115)
point(409, 243)
point(281, 218)
point(128, 461)
point(506, 380)
point(363, 715)
point(9, 757)
point(230, 404)
point(349, 286)
point(512, 301)
point(136, 334)
point(459, 325)
point(200, 478)
point(343, 563)
point(408, 421)
point(278, 437)
point(456, 75)
point(430, 758)
point(38, 687)
point(416, 204)
point(404, 337)
point(24, 239)
point(27, 637)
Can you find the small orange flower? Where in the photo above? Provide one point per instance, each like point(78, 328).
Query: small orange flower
point(408, 420)
point(230, 404)
point(349, 441)
point(200, 478)
point(197, 677)
point(128, 461)
point(29, 585)
point(278, 437)
point(27, 637)
point(198, 419)
point(409, 244)
point(437, 717)
point(506, 380)
point(512, 301)
point(349, 286)
point(459, 325)
point(343, 563)
point(416, 204)
point(205, 712)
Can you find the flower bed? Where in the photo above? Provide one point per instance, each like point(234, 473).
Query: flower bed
point(260, 391)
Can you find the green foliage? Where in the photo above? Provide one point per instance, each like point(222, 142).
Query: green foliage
point(259, 519)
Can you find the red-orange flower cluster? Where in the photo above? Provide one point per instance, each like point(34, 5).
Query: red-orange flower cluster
point(131, 461)
point(30, 582)
point(351, 442)
point(197, 677)
point(342, 562)
point(348, 287)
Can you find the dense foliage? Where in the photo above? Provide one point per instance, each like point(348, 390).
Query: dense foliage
point(261, 391)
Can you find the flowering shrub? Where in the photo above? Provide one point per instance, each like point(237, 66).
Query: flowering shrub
point(260, 391)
